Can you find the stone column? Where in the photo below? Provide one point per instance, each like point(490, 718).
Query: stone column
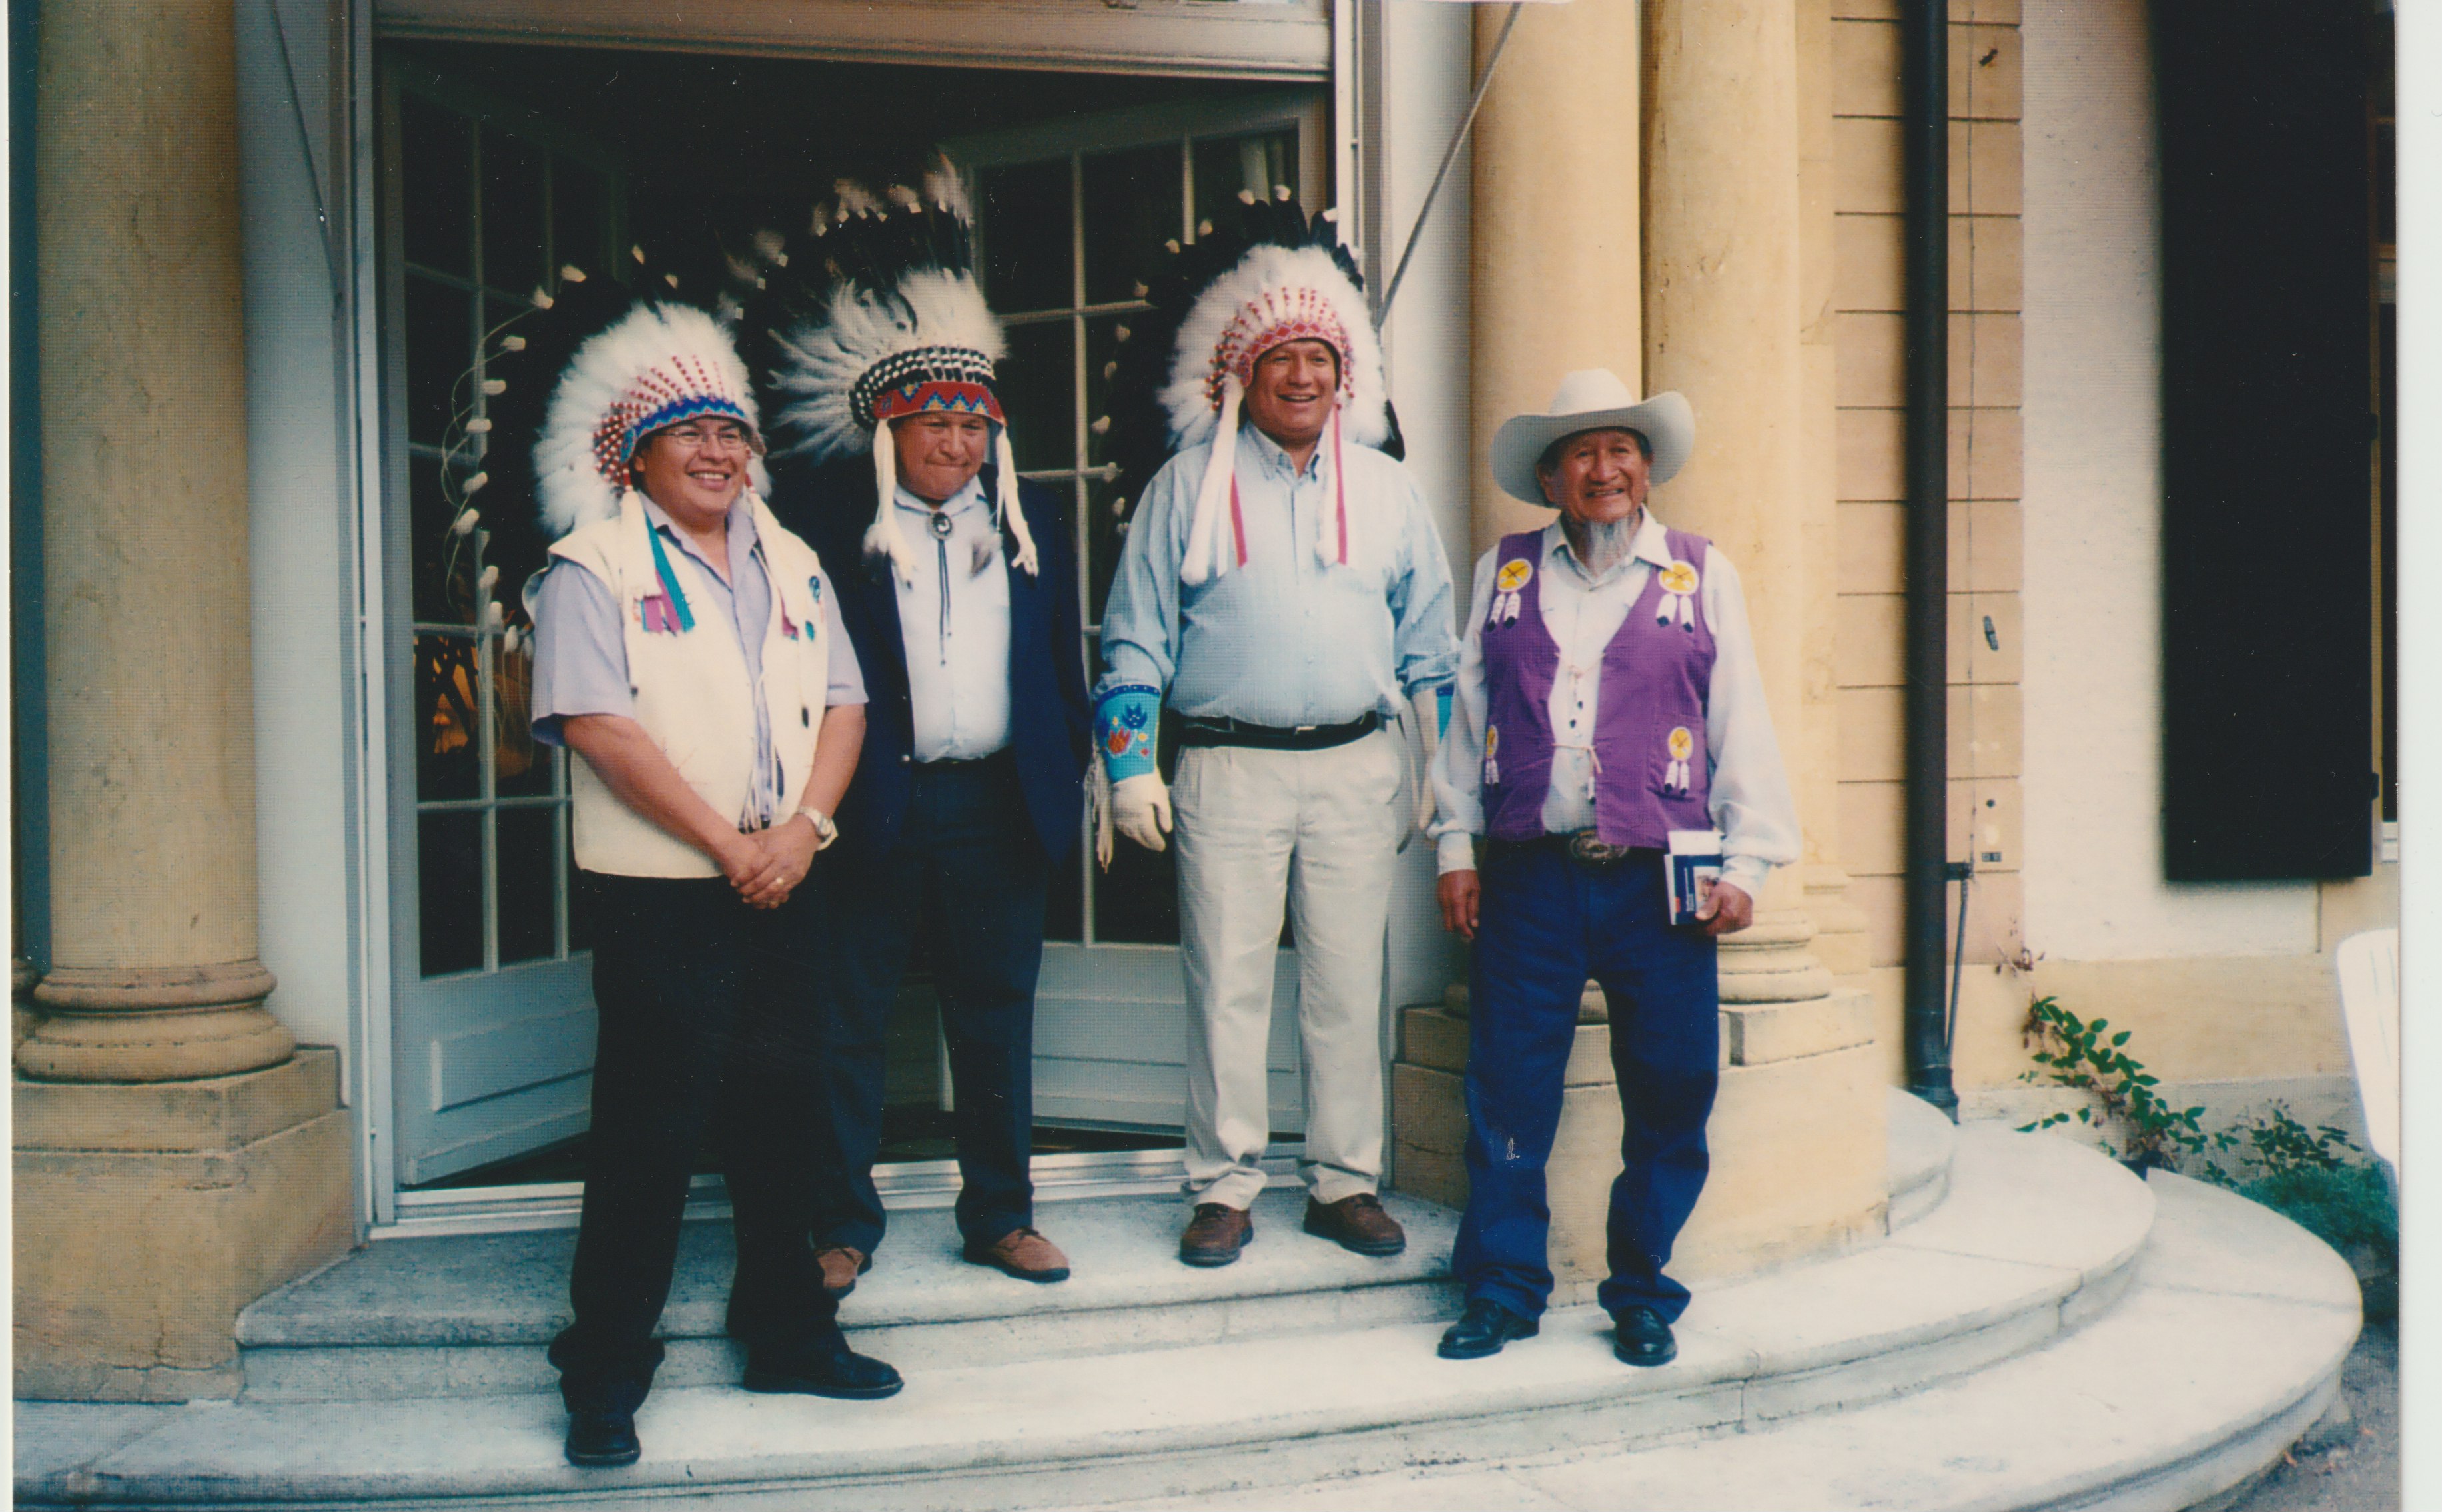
point(153, 974)
point(173, 1159)
point(1735, 130)
point(1556, 223)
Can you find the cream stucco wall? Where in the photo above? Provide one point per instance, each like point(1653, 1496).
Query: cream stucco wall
point(2093, 880)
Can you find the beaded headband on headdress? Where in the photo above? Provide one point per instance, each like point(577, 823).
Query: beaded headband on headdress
point(1271, 319)
point(906, 383)
point(875, 319)
point(681, 387)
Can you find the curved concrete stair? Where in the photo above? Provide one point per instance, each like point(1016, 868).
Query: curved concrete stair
point(2226, 1348)
point(2035, 1244)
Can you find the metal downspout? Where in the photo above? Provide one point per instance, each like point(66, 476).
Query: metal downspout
point(1924, 83)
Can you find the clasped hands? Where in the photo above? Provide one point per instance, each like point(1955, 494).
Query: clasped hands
point(767, 864)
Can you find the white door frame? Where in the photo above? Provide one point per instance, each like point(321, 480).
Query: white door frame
point(1158, 37)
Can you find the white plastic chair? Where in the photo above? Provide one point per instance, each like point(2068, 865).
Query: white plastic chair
point(2369, 968)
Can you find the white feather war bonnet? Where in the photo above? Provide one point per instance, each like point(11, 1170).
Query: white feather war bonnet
point(879, 318)
point(1268, 275)
point(593, 370)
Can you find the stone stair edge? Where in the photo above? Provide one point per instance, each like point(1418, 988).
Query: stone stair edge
point(1580, 1387)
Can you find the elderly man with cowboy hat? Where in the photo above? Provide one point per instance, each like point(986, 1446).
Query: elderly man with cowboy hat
point(1608, 696)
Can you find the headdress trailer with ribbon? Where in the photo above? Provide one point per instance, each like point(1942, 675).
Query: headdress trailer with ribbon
point(1263, 275)
point(873, 317)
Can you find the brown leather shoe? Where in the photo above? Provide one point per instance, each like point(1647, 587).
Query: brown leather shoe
point(841, 1264)
point(1357, 1224)
point(1216, 1235)
point(1023, 1254)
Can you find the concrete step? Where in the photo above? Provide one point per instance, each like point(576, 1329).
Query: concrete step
point(469, 1313)
point(2227, 1348)
point(2036, 1236)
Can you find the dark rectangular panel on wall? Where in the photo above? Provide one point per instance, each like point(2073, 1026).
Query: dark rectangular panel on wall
point(2266, 509)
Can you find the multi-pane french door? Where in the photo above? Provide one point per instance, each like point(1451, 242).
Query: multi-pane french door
point(492, 1017)
point(1070, 216)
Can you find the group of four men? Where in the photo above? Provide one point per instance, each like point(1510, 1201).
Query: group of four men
point(740, 693)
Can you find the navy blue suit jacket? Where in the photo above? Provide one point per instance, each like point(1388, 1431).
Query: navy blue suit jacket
point(1049, 718)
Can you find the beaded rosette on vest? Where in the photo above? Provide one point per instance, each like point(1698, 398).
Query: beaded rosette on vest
point(872, 317)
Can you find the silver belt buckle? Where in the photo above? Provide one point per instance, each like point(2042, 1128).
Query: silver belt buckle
point(1587, 845)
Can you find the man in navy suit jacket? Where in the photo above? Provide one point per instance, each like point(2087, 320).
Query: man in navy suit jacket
point(969, 793)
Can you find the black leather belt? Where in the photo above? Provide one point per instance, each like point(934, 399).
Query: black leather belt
point(1201, 731)
point(1584, 847)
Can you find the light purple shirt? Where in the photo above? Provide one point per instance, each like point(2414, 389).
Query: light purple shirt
point(580, 652)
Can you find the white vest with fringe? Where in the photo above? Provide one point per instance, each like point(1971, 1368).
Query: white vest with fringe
point(693, 696)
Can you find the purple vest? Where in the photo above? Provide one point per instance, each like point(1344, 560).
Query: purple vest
point(1650, 759)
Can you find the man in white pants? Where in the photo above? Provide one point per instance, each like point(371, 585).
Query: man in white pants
point(1285, 587)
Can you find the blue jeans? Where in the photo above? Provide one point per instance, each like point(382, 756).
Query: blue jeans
point(1548, 924)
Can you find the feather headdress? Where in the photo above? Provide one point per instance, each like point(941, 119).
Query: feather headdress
point(872, 317)
point(1265, 275)
point(578, 380)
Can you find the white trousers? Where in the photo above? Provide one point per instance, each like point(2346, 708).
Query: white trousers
point(1321, 827)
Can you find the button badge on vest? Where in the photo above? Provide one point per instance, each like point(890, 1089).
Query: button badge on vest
point(1678, 605)
point(1507, 587)
point(1492, 756)
point(1676, 777)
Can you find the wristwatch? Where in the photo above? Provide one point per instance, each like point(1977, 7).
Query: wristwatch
point(825, 830)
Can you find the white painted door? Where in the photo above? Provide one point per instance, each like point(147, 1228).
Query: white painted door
point(1070, 216)
point(492, 1012)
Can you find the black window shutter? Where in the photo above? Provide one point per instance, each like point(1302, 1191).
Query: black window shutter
point(2266, 509)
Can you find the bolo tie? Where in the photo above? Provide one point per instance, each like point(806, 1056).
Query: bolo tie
point(939, 521)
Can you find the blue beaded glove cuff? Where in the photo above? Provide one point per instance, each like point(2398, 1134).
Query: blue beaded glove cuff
point(1124, 726)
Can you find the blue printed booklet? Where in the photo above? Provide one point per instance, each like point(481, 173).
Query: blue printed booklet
point(1695, 865)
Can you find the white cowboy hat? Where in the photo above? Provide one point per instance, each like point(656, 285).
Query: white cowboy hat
point(1590, 399)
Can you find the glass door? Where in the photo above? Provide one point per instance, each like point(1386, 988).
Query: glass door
point(1070, 216)
point(493, 1018)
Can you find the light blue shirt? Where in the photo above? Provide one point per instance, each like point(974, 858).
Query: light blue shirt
point(581, 649)
point(954, 626)
point(1284, 640)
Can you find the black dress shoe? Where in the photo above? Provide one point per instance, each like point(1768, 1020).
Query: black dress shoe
point(1485, 1327)
point(602, 1438)
point(1642, 1338)
point(834, 1372)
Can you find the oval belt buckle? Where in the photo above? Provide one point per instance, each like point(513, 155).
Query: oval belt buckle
point(1587, 845)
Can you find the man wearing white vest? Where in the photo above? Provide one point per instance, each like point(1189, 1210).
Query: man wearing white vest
point(688, 650)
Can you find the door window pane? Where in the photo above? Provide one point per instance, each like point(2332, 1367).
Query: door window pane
point(578, 216)
point(440, 349)
point(428, 537)
point(434, 229)
point(1130, 210)
point(1037, 381)
point(520, 766)
point(446, 690)
point(526, 844)
point(1030, 258)
point(449, 866)
point(513, 211)
point(1259, 163)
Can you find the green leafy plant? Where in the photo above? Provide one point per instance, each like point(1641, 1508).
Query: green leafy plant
point(2278, 1144)
point(2142, 1128)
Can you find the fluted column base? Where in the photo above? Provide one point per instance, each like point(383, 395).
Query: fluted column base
point(154, 1024)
